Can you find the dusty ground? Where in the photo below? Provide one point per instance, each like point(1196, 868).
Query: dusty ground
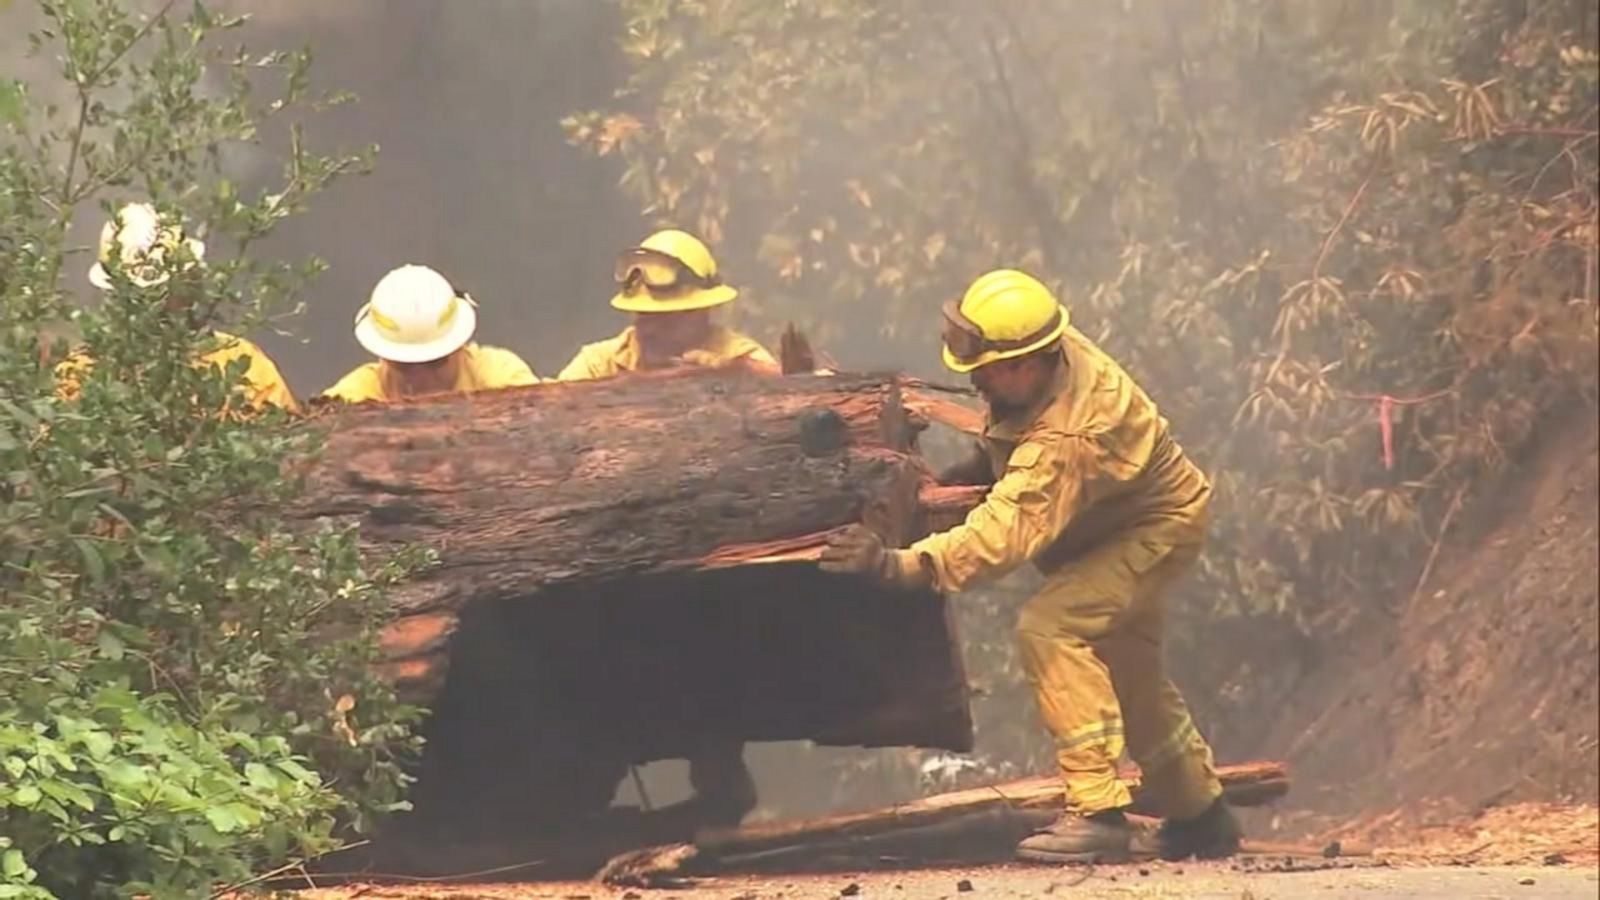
point(1523, 834)
point(1528, 850)
point(1211, 881)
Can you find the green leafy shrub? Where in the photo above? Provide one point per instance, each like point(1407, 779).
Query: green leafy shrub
point(186, 687)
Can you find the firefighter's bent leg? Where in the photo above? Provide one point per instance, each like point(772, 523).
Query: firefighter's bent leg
point(1179, 778)
point(1080, 660)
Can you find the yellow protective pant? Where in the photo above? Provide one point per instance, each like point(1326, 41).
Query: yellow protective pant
point(1091, 644)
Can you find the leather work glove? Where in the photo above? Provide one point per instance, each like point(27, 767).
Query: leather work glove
point(854, 551)
point(859, 551)
point(703, 359)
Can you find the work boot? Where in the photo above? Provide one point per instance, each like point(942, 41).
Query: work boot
point(1099, 838)
point(1213, 834)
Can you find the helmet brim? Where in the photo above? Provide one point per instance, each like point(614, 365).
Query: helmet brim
point(965, 366)
point(462, 327)
point(100, 278)
point(701, 298)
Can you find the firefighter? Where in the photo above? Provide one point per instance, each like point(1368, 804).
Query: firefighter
point(670, 285)
point(135, 246)
point(1088, 485)
point(420, 329)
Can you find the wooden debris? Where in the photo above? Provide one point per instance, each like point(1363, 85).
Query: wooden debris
point(962, 827)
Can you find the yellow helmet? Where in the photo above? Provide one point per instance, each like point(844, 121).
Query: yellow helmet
point(671, 271)
point(1003, 315)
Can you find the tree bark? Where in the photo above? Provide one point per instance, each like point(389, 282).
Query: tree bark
point(527, 491)
point(625, 570)
point(524, 489)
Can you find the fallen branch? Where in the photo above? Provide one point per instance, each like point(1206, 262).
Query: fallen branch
point(969, 826)
point(1249, 784)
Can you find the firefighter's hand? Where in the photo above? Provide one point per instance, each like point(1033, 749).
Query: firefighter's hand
point(700, 359)
point(705, 359)
point(855, 551)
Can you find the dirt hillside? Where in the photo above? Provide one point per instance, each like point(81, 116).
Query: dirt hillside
point(1483, 690)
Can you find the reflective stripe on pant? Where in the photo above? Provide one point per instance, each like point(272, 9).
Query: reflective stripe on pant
point(1091, 644)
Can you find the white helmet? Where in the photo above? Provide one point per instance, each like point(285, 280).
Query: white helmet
point(415, 316)
point(141, 241)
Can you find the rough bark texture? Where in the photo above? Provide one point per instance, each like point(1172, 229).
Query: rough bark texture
point(527, 489)
point(526, 492)
point(626, 573)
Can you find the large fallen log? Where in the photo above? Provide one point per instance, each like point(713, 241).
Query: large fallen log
point(962, 827)
point(523, 493)
point(625, 571)
point(524, 489)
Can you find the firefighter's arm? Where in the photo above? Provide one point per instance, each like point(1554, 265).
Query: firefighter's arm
point(582, 367)
point(276, 393)
point(267, 387)
point(1028, 508)
point(758, 360)
point(503, 368)
point(746, 355)
point(359, 385)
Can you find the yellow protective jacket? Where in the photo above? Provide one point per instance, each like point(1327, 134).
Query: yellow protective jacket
point(263, 382)
point(620, 354)
point(482, 368)
point(1092, 461)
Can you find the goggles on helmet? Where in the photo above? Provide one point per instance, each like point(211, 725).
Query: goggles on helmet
point(656, 271)
point(967, 342)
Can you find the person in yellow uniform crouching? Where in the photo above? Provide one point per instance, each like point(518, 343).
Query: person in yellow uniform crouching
point(136, 246)
point(1089, 485)
point(420, 328)
point(670, 284)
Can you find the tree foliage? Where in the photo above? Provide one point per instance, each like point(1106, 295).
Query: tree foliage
point(1272, 212)
point(1348, 247)
point(185, 686)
